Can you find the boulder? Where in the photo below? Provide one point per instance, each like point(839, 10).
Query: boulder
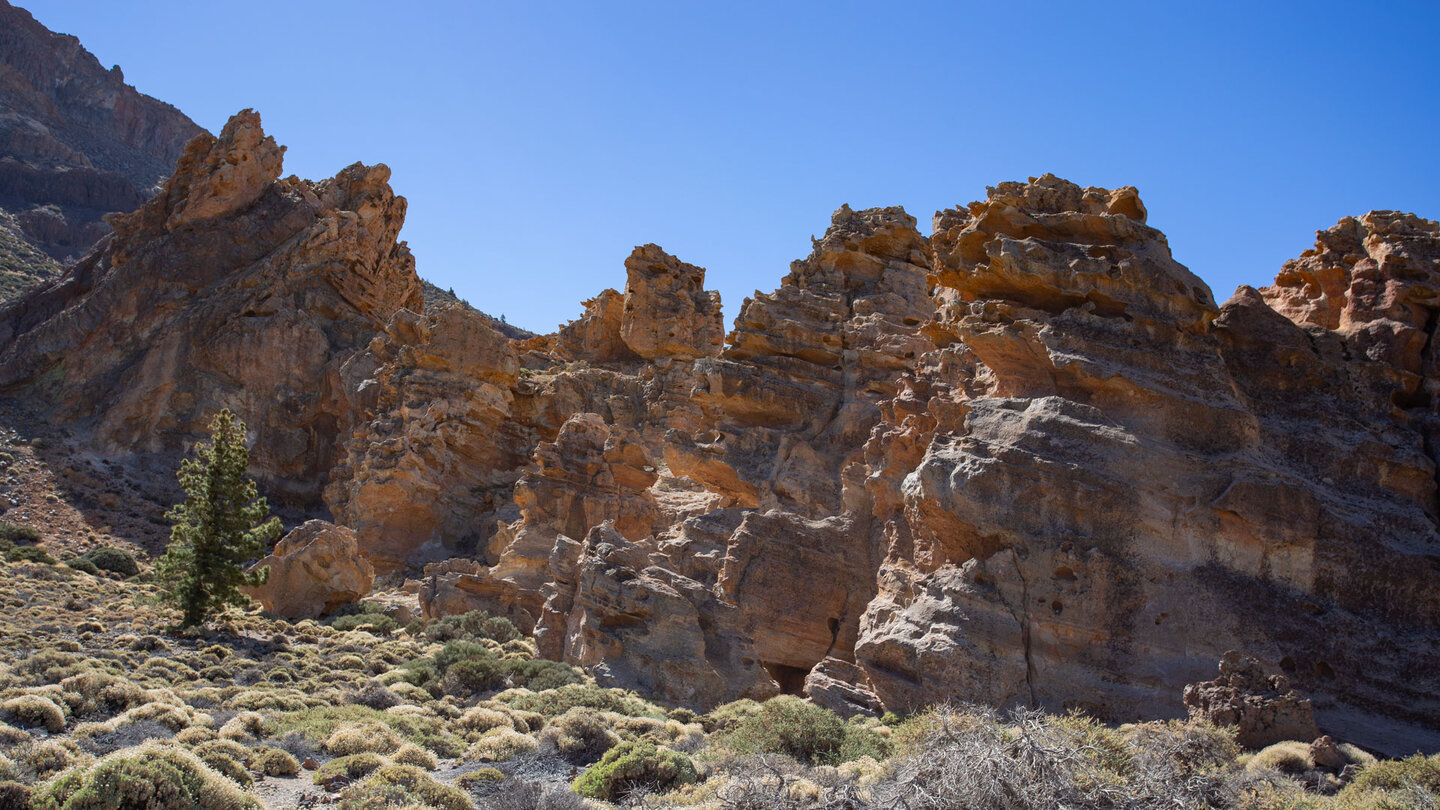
point(1261, 706)
point(314, 569)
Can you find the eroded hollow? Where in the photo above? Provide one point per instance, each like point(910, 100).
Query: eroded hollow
point(791, 679)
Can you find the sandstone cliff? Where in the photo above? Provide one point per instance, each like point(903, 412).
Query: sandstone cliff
point(76, 142)
point(1025, 460)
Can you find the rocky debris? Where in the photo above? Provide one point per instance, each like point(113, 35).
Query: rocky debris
point(841, 687)
point(252, 300)
point(1325, 753)
point(1261, 706)
point(314, 569)
point(78, 142)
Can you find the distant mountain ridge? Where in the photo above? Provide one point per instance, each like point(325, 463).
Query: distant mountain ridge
point(76, 143)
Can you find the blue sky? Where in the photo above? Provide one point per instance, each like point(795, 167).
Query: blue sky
point(539, 142)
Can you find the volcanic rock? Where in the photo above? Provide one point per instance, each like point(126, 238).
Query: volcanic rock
point(231, 288)
point(313, 570)
point(1262, 707)
point(78, 142)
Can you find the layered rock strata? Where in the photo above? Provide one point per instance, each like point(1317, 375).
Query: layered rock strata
point(1025, 461)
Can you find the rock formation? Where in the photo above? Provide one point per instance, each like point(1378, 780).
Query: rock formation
point(231, 288)
point(314, 569)
point(1025, 461)
point(1262, 707)
point(77, 143)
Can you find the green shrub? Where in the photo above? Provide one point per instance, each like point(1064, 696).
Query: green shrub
point(632, 765)
point(399, 786)
point(34, 554)
point(111, 559)
point(1397, 774)
point(473, 675)
point(788, 725)
point(539, 674)
point(353, 766)
point(558, 701)
point(456, 651)
point(83, 565)
point(274, 762)
point(580, 735)
point(376, 623)
point(18, 534)
point(152, 777)
point(31, 711)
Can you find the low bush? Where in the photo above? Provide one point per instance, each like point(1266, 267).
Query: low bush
point(154, 777)
point(790, 726)
point(34, 554)
point(635, 765)
point(555, 702)
point(33, 711)
point(412, 754)
point(361, 737)
point(399, 786)
point(274, 762)
point(501, 745)
point(580, 735)
point(14, 796)
point(18, 534)
point(1418, 771)
point(354, 766)
point(476, 624)
point(115, 560)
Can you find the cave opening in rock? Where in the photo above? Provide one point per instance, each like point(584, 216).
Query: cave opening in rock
point(791, 679)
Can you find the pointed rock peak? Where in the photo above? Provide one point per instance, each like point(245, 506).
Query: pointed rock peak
point(215, 177)
point(668, 312)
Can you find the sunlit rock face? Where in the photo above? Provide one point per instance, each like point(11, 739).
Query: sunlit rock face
point(1027, 460)
point(230, 288)
point(1102, 481)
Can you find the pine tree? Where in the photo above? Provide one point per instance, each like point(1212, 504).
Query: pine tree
point(221, 525)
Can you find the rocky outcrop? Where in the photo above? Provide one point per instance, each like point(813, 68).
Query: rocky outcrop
point(1101, 481)
point(313, 570)
point(231, 288)
point(77, 141)
point(1261, 706)
point(1025, 461)
point(433, 456)
point(668, 313)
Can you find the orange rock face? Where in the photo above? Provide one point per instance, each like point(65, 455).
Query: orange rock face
point(231, 288)
point(314, 569)
point(1026, 460)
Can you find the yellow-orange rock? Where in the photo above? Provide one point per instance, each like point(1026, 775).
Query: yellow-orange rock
point(314, 569)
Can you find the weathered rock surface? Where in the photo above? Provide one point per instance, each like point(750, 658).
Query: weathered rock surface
point(1101, 482)
point(1261, 706)
point(231, 288)
point(314, 569)
point(76, 142)
point(1027, 460)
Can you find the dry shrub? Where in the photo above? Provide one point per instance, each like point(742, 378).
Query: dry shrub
point(355, 738)
point(501, 745)
point(154, 776)
point(580, 735)
point(401, 785)
point(412, 754)
point(480, 719)
point(274, 762)
point(244, 727)
point(33, 711)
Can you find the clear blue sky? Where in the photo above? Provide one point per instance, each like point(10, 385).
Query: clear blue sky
point(539, 142)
